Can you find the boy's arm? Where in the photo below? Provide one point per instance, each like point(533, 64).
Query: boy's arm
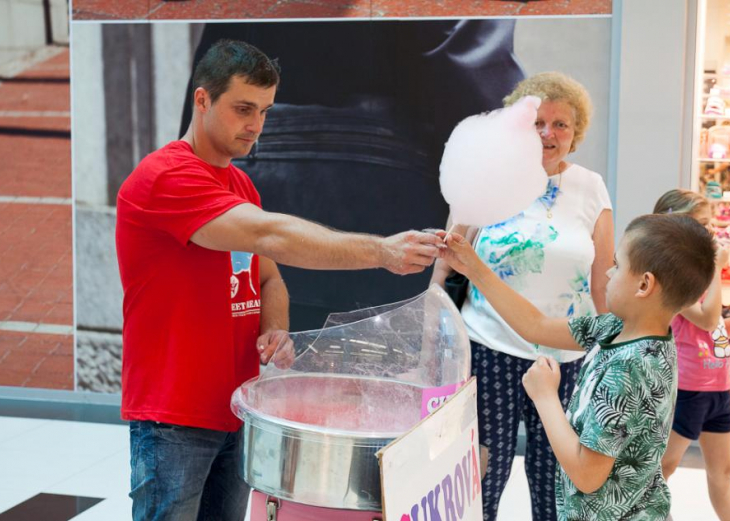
point(706, 314)
point(528, 321)
point(586, 468)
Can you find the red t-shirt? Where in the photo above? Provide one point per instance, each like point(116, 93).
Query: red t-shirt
point(191, 315)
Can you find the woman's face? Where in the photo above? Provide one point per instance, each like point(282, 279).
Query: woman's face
point(556, 125)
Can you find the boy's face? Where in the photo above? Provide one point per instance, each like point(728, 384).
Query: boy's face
point(622, 283)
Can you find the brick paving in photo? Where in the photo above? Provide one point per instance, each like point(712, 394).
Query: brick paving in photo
point(276, 9)
point(36, 252)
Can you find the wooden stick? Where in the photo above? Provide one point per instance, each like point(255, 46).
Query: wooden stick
point(449, 232)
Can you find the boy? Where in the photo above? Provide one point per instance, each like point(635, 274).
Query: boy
point(610, 443)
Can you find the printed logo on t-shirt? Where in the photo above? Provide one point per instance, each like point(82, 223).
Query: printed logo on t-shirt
point(241, 263)
point(720, 339)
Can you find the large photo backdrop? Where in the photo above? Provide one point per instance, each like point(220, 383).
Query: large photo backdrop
point(353, 142)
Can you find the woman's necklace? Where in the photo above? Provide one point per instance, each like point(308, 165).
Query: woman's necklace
point(549, 207)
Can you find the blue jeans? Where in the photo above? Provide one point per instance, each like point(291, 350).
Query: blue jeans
point(184, 473)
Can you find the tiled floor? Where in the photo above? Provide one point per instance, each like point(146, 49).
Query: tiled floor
point(88, 459)
point(264, 9)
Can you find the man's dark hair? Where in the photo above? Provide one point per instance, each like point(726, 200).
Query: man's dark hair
point(680, 253)
point(229, 58)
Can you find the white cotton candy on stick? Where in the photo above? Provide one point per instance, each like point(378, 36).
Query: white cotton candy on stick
point(492, 168)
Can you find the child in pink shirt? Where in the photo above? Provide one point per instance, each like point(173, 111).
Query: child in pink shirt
point(703, 361)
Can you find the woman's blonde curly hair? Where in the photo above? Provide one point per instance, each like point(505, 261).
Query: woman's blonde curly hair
point(556, 86)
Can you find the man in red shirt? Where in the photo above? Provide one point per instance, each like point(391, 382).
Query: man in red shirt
point(204, 302)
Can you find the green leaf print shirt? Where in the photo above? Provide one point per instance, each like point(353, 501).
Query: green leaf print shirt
point(621, 407)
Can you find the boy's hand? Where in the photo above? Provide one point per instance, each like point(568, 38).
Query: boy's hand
point(542, 379)
point(460, 255)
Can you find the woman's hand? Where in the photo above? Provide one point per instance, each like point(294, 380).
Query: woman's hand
point(460, 255)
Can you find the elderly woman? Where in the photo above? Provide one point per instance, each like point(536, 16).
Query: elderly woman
point(555, 254)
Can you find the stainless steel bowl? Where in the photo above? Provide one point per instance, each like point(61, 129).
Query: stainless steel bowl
point(313, 438)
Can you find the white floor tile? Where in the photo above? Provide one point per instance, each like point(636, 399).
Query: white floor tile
point(9, 498)
point(25, 469)
point(72, 438)
point(106, 478)
point(14, 427)
point(515, 502)
point(690, 499)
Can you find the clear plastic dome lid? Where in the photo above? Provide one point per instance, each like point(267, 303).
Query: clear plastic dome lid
point(374, 371)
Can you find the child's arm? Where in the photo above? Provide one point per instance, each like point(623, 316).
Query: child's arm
point(521, 315)
point(706, 314)
point(441, 269)
point(586, 468)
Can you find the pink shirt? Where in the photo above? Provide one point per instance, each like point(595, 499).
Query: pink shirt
point(703, 358)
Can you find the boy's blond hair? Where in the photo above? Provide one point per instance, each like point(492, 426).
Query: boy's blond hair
point(679, 201)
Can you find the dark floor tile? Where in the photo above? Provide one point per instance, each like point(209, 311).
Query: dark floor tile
point(49, 507)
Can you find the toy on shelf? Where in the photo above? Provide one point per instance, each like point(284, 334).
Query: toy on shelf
point(718, 141)
point(715, 105)
point(717, 151)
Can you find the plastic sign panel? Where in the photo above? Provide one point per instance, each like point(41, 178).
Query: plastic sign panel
point(431, 473)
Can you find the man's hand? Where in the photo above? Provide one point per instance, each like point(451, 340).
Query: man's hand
point(410, 252)
point(267, 345)
point(542, 379)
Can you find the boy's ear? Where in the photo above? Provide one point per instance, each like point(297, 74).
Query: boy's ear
point(647, 285)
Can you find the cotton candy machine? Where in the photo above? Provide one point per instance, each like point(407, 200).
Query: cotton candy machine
point(315, 419)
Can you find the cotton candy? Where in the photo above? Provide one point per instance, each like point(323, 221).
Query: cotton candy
point(492, 168)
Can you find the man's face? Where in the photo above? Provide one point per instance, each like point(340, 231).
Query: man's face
point(234, 122)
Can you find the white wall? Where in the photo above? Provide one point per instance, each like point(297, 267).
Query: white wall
point(650, 127)
point(579, 47)
point(59, 21)
point(171, 70)
point(89, 120)
point(22, 24)
point(171, 74)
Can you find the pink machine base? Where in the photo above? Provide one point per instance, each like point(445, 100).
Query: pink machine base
point(290, 511)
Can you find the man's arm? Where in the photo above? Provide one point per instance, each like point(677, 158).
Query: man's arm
point(586, 468)
point(274, 309)
point(296, 242)
point(528, 321)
